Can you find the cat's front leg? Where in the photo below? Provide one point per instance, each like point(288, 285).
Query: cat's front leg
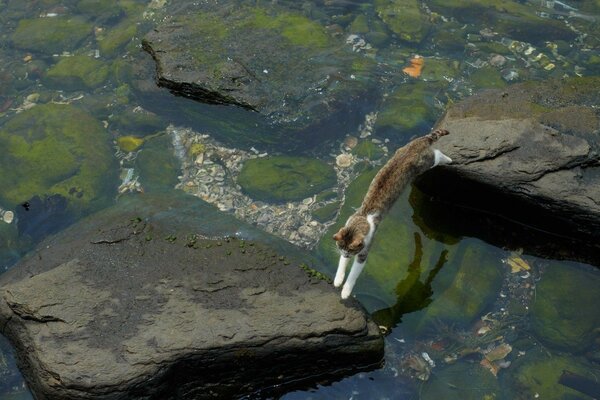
point(357, 267)
point(341, 271)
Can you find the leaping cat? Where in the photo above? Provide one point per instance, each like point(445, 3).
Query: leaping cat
point(355, 238)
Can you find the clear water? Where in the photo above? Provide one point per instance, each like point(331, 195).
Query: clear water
point(425, 275)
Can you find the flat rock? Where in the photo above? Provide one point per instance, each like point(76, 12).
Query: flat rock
point(141, 301)
point(529, 152)
point(271, 59)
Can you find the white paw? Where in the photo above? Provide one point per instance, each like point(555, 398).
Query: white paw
point(338, 281)
point(346, 292)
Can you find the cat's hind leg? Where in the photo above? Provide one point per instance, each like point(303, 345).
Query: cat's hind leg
point(357, 267)
point(341, 271)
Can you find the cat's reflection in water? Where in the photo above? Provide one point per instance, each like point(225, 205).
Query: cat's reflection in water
point(411, 293)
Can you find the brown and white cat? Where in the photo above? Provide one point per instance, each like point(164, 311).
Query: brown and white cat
point(355, 238)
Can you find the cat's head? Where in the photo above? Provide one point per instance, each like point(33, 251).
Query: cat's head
point(350, 239)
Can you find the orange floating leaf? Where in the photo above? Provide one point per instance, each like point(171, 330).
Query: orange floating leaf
point(415, 67)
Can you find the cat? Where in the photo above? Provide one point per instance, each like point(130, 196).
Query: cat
point(354, 239)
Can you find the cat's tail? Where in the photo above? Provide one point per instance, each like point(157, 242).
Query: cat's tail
point(438, 133)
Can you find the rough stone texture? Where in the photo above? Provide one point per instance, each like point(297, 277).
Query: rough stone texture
point(522, 153)
point(127, 304)
point(268, 59)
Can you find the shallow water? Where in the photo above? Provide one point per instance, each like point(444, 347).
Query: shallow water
point(453, 299)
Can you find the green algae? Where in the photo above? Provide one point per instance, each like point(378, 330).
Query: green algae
point(282, 178)
point(75, 72)
point(405, 110)
point(56, 149)
point(404, 17)
point(360, 24)
point(117, 37)
point(466, 287)
point(510, 18)
point(140, 123)
point(369, 150)
point(297, 29)
point(103, 9)
point(437, 69)
point(327, 212)
point(51, 35)
point(537, 376)
point(487, 78)
point(129, 143)
point(461, 381)
point(560, 316)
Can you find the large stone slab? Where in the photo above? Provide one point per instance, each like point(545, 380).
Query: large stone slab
point(269, 58)
point(139, 302)
point(529, 152)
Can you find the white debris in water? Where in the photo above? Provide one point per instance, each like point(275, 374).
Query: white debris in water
point(212, 176)
point(7, 216)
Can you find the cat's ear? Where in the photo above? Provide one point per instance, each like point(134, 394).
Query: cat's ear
point(357, 241)
point(339, 235)
point(440, 158)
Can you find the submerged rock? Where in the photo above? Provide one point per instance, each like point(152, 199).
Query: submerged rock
point(461, 381)
point(513, 19)
point(208, 52)
point(404, 18)
point(56, 149)
point(529, 152)
point(560, 316)
point(51, 35)
point(136, 302)
point(281, 178)
point(78, 72)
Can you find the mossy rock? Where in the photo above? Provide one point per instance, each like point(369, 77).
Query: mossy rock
point(129, 143)
point(157, 165)
point(327, 212)
point(51, 35)
point(369, 150)
point(56, 149)
point(461, 381)
point(537, 376)
point(360, 24)
point(103, 9)
point(404, 18)
point(77, 72)
point(117, 37)
point(282, 178)
point(487, 78)
point(437, 69)
point(510, 18)
point(564, 314)
point(408, 110)
point(466, 287)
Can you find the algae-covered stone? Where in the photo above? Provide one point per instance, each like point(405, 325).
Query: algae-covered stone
point(466, 287)
point(76, 72)
point(158, 166)
point(437, 69)
point(283, 178)
point(56, 149)
point(129, 143)
point(327, 212)
point(51, 35)
point(407, 110)
point(404, 17)
point(207, 52)
point(104, 9)
point(117, 37)
point(486, 78)
point(513, 19)
point(461, 381)
point(367, 149)
point(565, 313)
point(537, 376)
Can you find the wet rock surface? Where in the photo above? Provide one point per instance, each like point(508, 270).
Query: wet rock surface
point(268, 59)
point(530, 152)
point(140, 302)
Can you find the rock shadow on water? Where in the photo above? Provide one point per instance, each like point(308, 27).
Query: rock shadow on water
point(470, 209)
